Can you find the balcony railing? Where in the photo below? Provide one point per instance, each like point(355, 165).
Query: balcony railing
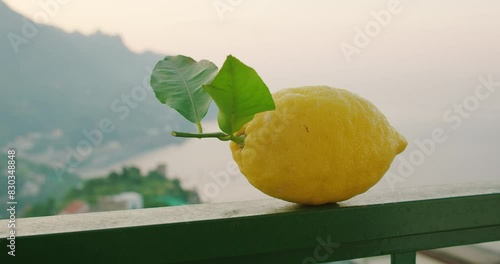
point(396, 223)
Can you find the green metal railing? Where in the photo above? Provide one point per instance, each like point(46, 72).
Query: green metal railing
point(267, 231)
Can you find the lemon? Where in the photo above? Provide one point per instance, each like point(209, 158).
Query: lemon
point(320, 145)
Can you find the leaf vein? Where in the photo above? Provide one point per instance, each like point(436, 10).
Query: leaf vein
point(189, 93)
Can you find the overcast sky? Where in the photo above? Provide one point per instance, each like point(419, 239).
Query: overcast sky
point(292, 42)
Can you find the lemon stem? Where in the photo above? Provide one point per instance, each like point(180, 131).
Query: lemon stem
point(238, 139)
point(219, 135)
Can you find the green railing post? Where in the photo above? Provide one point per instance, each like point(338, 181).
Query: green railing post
point(404, 258)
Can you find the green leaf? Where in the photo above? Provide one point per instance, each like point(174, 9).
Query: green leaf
point(239, 93)
point(177, 81)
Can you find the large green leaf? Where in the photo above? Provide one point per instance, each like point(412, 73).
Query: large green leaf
point(239, 93)
point(177, 81)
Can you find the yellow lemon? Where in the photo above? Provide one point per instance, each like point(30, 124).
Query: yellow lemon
point(320, 145)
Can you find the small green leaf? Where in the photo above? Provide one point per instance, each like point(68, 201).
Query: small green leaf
point(177, 81)
point(239, 93)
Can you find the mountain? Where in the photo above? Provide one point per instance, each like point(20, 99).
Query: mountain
point(76, 101)
point(155, 188)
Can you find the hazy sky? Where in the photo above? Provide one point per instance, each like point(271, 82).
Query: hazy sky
point(296, 42)
point(428, 56)
point(195, 27)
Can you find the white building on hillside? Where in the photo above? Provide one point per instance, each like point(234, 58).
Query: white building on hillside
point(122, 201)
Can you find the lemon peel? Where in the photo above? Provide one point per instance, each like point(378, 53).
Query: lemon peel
point(320, 145)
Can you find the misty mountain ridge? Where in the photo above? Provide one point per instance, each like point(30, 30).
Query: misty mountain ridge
point(75, 101)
